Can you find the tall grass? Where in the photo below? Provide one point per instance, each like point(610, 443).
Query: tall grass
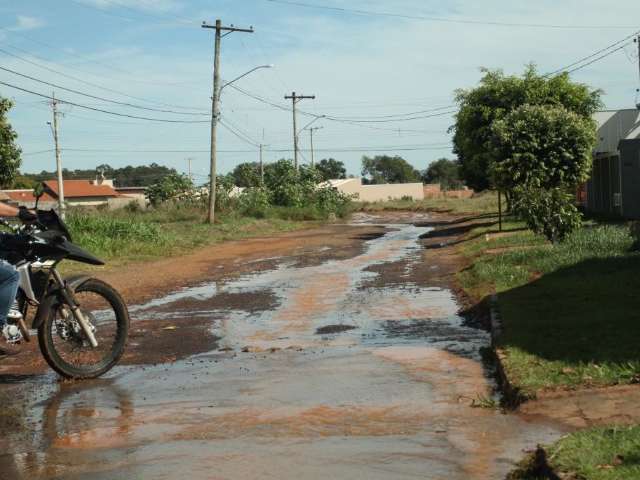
point(107, 235)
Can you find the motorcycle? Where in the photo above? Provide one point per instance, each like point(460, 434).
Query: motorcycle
point(82, 323)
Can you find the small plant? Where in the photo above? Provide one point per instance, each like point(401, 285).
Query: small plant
point(484, 401)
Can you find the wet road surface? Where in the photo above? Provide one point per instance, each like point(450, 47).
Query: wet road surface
point(320, 371)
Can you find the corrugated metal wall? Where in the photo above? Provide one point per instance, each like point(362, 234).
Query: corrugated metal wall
point(603, 189)
point(630, 155)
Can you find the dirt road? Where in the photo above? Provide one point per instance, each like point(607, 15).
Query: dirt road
point(338, 354)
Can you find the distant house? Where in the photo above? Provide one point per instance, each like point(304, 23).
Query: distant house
point(614, 186)
point(378, 193)
point(25, 198)
point(83, 193)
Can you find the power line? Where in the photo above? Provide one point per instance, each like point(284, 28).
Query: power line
point(150, 119)
point(37, 153)
point(597, 59)
point(441, 19)
point(313, 115)
point(126, 104)
point(57, 72)
point(275, 150)
point(238, 134)
point(594, 54)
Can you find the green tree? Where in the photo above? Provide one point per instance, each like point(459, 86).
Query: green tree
point(246, 175)
point(172, 187)
point(445, 172)
point(496, 97)
point(542, 147)
point(129, 176)
point(386, 169)
point(290, 187)
point(9, 151)
point(331, 169)
point(541, 155)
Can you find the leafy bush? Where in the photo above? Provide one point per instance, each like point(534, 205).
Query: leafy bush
point(172, 187)
point(255, 202)
point(550, 212)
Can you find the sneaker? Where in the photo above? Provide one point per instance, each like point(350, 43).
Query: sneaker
point(7, 348)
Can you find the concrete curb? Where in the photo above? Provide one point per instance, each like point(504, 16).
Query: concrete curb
point(512, 397)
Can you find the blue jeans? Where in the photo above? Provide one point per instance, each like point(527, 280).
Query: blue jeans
point(9, 280)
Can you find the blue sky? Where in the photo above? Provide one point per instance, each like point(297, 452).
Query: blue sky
point(153, 53)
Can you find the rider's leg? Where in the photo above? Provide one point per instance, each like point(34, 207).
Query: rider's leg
point(9, 280)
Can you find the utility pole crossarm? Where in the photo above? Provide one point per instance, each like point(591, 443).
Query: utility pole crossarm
point(230, 29)
point(294, 100)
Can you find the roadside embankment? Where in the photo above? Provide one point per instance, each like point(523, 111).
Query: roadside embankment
point(569, 331)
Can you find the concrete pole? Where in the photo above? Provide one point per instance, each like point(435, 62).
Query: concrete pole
point(61, 206)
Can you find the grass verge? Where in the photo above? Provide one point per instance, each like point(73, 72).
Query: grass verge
point(120, 237)
point(596, 454)
point(570, 312)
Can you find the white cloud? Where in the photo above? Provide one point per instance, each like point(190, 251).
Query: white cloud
point(145, 5)
point(25, 22)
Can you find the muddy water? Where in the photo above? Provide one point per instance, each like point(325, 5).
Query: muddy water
point(318, 375)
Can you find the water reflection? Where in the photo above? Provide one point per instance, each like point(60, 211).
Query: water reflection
point(73, 423)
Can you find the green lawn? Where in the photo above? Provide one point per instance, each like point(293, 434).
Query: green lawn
point(596, 454)
point(571, 312)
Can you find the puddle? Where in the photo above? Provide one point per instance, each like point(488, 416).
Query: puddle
point(322, 376)
point(305, 299)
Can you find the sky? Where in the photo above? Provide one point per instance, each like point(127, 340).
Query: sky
point(369, 73)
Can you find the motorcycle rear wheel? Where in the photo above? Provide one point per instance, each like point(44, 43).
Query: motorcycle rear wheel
point(63, 343)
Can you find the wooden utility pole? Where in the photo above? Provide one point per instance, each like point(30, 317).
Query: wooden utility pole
point(311, 133)
point(54, 107)
point(215, 108)
point(261, 167)
point(295, 99)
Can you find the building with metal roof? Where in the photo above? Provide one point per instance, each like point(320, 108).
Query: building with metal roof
point(614, 186)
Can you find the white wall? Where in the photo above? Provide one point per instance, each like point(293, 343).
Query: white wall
point(379, 193)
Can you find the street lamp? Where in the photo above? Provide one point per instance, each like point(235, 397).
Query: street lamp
point(217, 90)
point(306, 127)
point(245, 74)
point(311, 123)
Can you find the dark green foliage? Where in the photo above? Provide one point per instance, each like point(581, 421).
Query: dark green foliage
point(542, 147)
point(9, 151)
point(129, 176)
point(172, 187)
point(255, 202)
point(331, 169)
point(247, 175)
point(287, 189)
point(548, 211)
point(445, 172)
point(541, 154)
point(496, 97)
point(385, 169)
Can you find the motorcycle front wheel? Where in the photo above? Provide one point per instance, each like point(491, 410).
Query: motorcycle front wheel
point(64, 344)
